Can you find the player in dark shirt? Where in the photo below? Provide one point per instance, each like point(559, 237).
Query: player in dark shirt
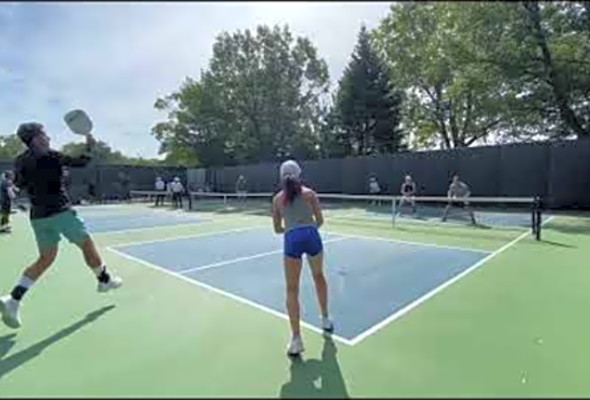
point(7, 195)
point(408, 192)
point(39, 170)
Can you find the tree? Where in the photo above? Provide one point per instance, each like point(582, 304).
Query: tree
point(451, 102)
point(491, 70)
point(10, 147)
point(564, 60)
point(176, 136)
point(259, 100)
point(368, 109)
point(104, 154)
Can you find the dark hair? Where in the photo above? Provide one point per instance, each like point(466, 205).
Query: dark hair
point(292, 188)
point(27, 131)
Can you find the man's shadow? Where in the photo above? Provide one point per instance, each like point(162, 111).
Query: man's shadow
point(316, 378)
point(15, 361)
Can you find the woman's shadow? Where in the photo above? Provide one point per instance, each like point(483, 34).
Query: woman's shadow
point(17, 360)
point(316, 378)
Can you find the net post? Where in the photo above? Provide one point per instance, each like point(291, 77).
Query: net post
point(536, 217)
point(189, 199)
point(393, 210)
point(538, 211)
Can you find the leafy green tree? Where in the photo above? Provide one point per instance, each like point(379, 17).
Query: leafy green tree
point(259, 100)
point(561, 38)
point(104, 154)
point(450, 100)
point(10, 147)
point(490, 70)
point(368, 109)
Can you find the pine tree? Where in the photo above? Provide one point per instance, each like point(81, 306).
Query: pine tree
point(368, 108)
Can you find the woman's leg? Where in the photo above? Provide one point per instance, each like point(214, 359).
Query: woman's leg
point(316, 263)
point(292, 276)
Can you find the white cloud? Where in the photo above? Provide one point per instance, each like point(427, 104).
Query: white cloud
point(115, 59)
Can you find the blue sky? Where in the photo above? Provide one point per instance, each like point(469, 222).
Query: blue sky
point(115, 59)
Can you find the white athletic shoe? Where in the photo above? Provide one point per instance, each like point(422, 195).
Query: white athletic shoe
point(295, 347)
point(114, 283)
point(327, 325)
point(9, 310)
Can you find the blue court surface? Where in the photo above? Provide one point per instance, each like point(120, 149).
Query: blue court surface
point(113, 219)
point(364, 290)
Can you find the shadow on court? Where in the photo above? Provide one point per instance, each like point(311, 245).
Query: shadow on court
point(557, 244)
point(316, 378)
point(579, 226)
point(15, 361)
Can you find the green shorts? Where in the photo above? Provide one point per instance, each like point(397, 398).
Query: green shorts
point(48, 231)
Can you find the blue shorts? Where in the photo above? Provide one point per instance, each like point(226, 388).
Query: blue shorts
point(305, 239)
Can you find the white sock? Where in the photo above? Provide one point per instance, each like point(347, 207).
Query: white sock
point(26, 282)
point(98, 270)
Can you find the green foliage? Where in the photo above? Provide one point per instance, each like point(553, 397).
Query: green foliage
point(489, 70)
point(470, 73)
point(10, 147)
point(103, 154)
point(259, 100)
point(368, 109)
point(451, 101)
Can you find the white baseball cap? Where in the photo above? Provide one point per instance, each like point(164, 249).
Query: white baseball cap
point(290, 169)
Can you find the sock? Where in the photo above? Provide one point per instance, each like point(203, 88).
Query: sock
point(21, 288)
point(102, 274)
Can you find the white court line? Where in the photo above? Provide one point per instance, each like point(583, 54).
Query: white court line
point(253, 257)
point(224, 293)
point(384, 239)
point(434, 291)
point(200, 223)
point(188, 236)
point(145, 228)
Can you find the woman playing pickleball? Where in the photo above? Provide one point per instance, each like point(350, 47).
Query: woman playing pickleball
point(297, 214)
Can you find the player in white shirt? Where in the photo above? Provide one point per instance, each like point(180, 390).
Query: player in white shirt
point(160, 186)
point(374, 189)
point(177, 190)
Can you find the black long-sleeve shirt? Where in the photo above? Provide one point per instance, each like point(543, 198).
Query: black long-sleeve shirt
point(41, 175)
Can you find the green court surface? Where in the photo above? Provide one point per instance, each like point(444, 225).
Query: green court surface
point(518, 326)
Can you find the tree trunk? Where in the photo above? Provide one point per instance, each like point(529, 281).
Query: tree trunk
point(567, 114)
point(441, 118)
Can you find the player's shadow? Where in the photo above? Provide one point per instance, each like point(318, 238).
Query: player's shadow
point(17, 360)
point(316, 378)
point(557, 244)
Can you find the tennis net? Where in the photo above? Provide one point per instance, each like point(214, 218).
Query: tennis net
point(490, 212)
